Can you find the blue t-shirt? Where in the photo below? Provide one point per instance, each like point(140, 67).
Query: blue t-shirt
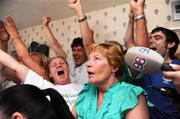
point(163, 105)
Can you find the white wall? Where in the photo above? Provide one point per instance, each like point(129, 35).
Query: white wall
point(108, 24)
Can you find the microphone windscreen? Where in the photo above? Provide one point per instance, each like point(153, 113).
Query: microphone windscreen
point(143, 59)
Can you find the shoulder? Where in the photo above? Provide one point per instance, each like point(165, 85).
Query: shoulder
point(127, 93)
point(129, 87)
point(87, 91)
point(128, 96)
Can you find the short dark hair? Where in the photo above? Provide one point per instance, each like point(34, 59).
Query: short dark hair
point(33, 103)
point(77, 42)
point(171, 37)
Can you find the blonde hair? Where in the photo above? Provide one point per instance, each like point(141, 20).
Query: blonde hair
point(43, 59)
point(113, 55)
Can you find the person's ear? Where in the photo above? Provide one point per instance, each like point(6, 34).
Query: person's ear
point(50, 76)
point(17, 115)
point(114, 69)
point(170, 45)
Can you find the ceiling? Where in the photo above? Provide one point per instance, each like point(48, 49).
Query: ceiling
point(27, 13)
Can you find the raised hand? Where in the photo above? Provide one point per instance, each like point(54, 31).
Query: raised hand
point(1, 25)
point(137, 6)
point(76, 6)
point(46, 20)
point(11, 27)
point(4, 36)
point(174, 75)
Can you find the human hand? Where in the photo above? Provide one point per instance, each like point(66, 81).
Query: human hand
point(174, 75)
point(75, 5)
point(11, 27)
point(1, 25)
point(4, 36)
point(46, 20)
point(137, 6)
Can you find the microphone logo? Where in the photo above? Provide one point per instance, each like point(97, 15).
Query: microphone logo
point(144, 50)
point(139, 63)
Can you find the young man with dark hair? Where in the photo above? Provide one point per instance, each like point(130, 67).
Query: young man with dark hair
point(78, 51)
point(77, 64)
point(165, 42)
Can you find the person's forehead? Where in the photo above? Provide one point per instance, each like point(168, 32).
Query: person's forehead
point(95, 53)
point(57, 59)
point(77, 47)
point(158, 33)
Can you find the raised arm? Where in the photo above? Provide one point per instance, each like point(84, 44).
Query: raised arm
point(140, 111)
point(129, 35)
point(4, 37)
point(53, 42)
point(8, 61)
point(86, 32)
point(7, 72)
point(21, 49)
point(140, 22)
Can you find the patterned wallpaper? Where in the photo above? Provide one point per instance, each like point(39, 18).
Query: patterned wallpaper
point(108, 24)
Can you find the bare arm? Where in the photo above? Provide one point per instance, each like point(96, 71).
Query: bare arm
point(7, 72)
point(8, 61)
point(4, 37)
point(140, 111)
point(21, 49)
point(129, 36)
point(11, 75)
point(141, 28)
point(86, 32)
point(74, 112)
point(53, 43)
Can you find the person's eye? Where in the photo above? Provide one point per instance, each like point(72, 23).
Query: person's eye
point(97, 58)
point(157, 38)
point(53, 65)
point(62, 63)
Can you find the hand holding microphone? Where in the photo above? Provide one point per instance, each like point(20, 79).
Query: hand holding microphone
point(146, 60)
point(175, 76)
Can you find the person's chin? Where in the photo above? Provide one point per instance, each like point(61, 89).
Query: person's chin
point(78, 63)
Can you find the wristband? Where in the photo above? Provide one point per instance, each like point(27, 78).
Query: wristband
point(138, 17)
point(83, 19)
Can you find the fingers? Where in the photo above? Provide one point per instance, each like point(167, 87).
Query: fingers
point(174, 75)
point(72, 1)
point(46, 19)
point(175, 67)
point(1, 24)
point(169, 74)
point(9, 21)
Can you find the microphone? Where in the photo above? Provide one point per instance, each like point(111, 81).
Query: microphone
point(145, 60)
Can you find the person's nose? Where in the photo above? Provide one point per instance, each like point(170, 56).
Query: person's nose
point(151, 40)
point(89, 63)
